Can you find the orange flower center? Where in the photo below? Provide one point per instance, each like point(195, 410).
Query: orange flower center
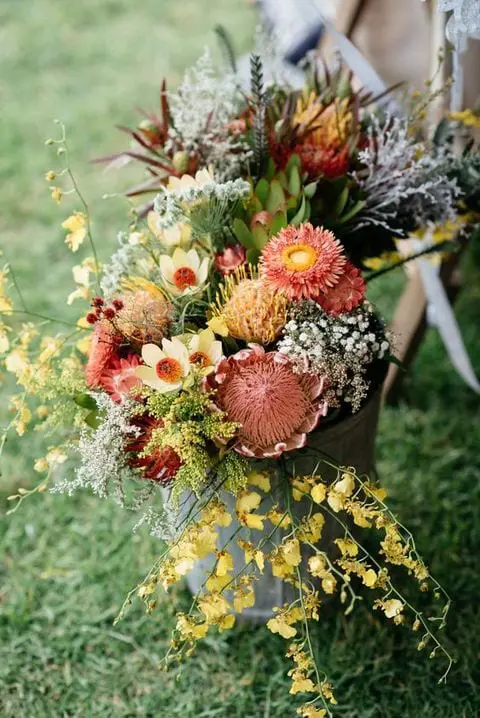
point(169, 370)
point(201, 359)
point(184, 277)
point(299, 257)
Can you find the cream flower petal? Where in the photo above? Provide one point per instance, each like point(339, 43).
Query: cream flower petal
point(151, 354)
point(163, 386)
point(177, 350)
point(202, 273)
point(205, 339)
point(180, 258)
point(167, 267)
point(203, 177)
point(147, 375)
point(193, 259)
point(216, 351)
point(171, 236)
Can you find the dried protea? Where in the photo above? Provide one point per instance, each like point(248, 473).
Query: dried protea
point(146, 314)
point(275, 406)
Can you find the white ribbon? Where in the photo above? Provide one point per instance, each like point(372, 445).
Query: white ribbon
point(440, 314)
point(438, 304)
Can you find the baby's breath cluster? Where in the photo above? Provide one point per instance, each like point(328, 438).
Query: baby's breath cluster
point(340, 348)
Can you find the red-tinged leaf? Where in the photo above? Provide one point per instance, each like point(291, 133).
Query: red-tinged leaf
point(150, 161)
point(107, 158)
point(136, 136)
point(150, 185)
point(164, 104)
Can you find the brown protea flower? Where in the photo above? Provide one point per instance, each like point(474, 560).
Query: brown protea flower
point(146, 313)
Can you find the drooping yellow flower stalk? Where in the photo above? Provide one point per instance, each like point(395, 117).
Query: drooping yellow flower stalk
point(76, 225)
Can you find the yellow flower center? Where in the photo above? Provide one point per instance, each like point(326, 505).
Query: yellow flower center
point(169, 370)
point(299, 257)
point(184, 277)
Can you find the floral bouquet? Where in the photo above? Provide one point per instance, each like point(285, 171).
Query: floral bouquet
point(329, 153)
point(224, 339)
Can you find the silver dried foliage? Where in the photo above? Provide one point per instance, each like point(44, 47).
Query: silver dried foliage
point(103, 467)
point(202, 108)
point(402, 178)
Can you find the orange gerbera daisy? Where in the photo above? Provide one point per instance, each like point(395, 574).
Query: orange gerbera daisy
point(302, 262)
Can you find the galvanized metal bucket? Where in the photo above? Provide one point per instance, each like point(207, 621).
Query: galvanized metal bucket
point(350, 442)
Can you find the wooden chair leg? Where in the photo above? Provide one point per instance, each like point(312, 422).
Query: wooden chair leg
point(410, 324)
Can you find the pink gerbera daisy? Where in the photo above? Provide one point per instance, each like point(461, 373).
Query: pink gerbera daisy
point(275, 407)
point(119, 377)
point(302, 262)
point(347, 293)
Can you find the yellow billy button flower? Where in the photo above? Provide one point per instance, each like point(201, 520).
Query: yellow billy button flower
point(76, 225)
point(183, 272)
point(204, 351)
point(166, 368)
point(466, 117)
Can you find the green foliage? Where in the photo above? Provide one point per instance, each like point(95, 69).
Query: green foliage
point(232, 472)
point(189, 427)
point(280, 197)
point(260, 144)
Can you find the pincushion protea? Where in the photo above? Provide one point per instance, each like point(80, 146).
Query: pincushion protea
point(302, 262)
point(250, 310)
point(275, 407)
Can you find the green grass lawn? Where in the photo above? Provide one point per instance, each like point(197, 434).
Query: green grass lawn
point(67, 563)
